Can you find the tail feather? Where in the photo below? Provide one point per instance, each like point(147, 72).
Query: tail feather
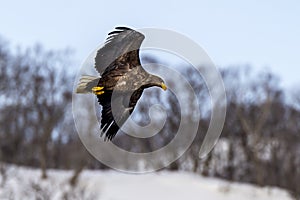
point(86, 83)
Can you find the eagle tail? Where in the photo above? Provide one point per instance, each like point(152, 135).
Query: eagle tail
point(86, 83)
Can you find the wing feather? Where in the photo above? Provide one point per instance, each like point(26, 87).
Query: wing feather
point(111, 122)
point(118, 43)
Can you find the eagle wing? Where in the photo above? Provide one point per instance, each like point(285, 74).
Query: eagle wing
point(123, 105)
point(116, 58)
point(119, 42)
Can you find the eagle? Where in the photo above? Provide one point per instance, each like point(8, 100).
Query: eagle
point(122, 79)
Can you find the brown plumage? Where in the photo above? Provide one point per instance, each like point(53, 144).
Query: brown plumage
point(122, 81)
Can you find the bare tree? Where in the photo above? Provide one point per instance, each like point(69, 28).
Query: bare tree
point(36, 95)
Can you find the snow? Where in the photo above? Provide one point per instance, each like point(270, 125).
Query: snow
point(25, 183)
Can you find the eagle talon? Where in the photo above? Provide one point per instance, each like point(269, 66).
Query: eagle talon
point(97, 90)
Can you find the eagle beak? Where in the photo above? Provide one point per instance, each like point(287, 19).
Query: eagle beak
point(163, 86)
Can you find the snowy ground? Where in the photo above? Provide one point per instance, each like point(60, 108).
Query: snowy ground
point(23, 183)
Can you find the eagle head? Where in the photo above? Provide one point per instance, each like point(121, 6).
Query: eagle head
point(153, 80)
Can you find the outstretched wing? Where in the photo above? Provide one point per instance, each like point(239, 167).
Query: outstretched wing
point(118, 43)
point(116, 58)
point(122, 104)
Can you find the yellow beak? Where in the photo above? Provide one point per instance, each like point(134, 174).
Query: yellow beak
point(163, 86)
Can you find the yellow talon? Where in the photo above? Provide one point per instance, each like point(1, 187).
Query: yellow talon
point(96, 89)
point(99, 92)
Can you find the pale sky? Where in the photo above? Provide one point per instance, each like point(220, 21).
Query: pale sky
point(263, 33)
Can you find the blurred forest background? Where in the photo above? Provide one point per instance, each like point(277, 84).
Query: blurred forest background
point(260, 142)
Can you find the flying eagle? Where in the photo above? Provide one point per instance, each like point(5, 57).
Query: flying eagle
point(122, 79)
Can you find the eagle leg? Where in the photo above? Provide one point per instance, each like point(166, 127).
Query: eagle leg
point(98, 90)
